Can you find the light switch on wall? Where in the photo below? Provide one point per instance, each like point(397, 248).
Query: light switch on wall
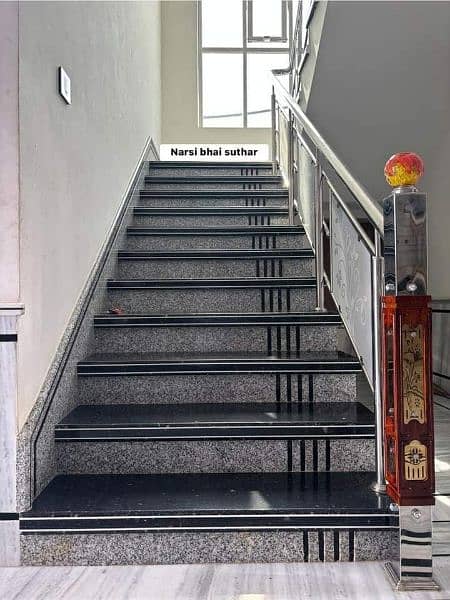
point(65, 86)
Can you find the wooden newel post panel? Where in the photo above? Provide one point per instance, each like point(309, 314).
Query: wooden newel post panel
point(406, 373)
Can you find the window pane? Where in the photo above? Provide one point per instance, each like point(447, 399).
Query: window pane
point(222, 90)
point(259, 86)
point(222, 23)
point(267, 18)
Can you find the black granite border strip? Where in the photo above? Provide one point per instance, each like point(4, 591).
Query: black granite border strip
point(9, 516)
point(8, 337)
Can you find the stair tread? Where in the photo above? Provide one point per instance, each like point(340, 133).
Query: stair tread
point(211, 414)
point(225, 357)
point(219, 253)
point(243, 282)
point(208, 210)
point(216, 193)
point(265, 318)
point(205, 163)
point(213, 179)
point(248, 230)
point(210, 493)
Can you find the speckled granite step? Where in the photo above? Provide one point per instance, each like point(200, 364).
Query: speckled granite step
point(207, 263)
point(213, 182)
point(227, 238)
point(189, 378)
point(212, 332)
point(207, 517)
point(193, 198)
point(209, 168)
point(260, 294)
point(206, 216)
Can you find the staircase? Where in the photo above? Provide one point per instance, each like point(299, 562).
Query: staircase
point(218, 419)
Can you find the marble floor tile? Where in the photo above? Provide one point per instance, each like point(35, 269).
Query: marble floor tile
point(317, 581)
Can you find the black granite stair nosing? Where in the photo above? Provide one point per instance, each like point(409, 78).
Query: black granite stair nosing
point(222, 211)
point(260, 421)
point(215, 193)
point(209, 501)
point(197, 523)
point(209, 254)
point(254, 230)
point(95, 366)
point(214, 164)
point(217, 319)
point(206, 179)
point(246, 283)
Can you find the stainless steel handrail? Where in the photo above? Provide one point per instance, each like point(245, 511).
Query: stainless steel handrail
point(361, 195)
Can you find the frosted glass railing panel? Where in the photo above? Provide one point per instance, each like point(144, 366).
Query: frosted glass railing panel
point(306, 191)
point(284, 144)
point(351, 283)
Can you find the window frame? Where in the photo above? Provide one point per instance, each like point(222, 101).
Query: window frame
point(245, 50)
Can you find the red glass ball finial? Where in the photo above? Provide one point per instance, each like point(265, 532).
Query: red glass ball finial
point(404, 168)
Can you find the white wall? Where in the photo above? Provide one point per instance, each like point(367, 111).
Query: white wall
point(382, 85)
point(179, 83)
point(9, 153)
point(76, 160)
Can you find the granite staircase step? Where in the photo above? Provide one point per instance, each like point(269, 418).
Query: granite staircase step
point(257, 294)
point(212, 182)
point(227, 238)
point(193, 198)
point(322, 420)
point(210, 168)
point(208, 517)
point(215, 332)
point(207, 263)
point(207, 216)
point(158, 378)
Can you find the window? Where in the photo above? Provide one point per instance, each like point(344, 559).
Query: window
point(240, 42)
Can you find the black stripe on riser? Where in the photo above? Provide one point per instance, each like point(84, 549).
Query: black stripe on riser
point(249, 194)
point(204, 387)
point(256, 238)
point(71, 547)
point(215, 264)
point(135, 297)
point(217, 338)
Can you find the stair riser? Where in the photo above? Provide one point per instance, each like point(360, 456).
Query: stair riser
point(237, 242)
point(215, 456)
point(211, 186)
point(212, 300)
point(208, 220)
point(216, 339)
point(207, 387)
point(172, 547)
point(161, 202)
point(214, 268)
point(214, 171)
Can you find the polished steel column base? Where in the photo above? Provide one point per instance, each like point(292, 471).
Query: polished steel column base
point(409, 584)
point(415, 568)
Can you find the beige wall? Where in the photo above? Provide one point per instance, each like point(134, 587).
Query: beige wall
point(179, 83)
point(76, 160)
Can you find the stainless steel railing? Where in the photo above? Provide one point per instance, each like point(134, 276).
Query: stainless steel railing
point(344, 225)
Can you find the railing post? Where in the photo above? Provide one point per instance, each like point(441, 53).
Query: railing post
point(377, 291)
point(407, 379)
point(318, 227)
point(274, 131)
point(291, 171)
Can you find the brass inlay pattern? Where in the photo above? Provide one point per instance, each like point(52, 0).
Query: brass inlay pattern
point(413, 374)
point(415, 456)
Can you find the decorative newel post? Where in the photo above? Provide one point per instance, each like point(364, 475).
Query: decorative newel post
point(407, 376)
